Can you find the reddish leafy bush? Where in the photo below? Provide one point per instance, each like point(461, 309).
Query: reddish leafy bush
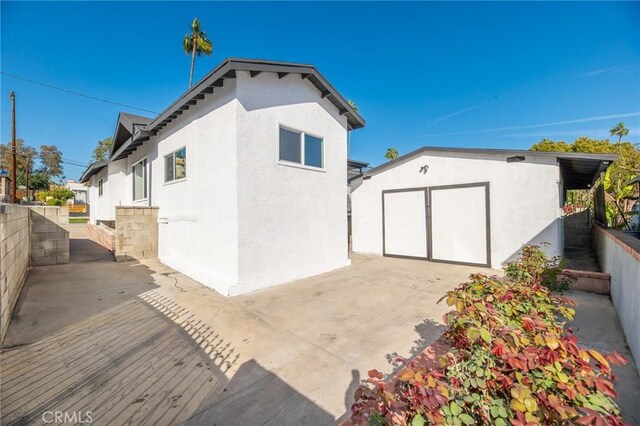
point(511, 362)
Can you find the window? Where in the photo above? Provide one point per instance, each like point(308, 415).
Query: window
point(175, 165)
point(100, 188)
point(139, 172)
point(301, 148)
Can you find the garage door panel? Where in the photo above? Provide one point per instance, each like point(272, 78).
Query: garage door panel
point(405, 224)
point(459, 224)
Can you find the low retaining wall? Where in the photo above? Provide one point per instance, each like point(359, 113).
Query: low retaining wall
point(619, 255)
point(136, 233)
point(104, 235)
point(14, 259)
point(29, 236)
point(593, 282)
point(49, 235)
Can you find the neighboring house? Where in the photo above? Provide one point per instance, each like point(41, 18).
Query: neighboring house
point(467, 206)
point(79, 191)
point(248, 170)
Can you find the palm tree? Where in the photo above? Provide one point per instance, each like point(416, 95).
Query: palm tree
point(619, 130)
point(196, 43)
point(391, 153)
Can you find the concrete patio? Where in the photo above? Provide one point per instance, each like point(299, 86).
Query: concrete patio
point(139, 343)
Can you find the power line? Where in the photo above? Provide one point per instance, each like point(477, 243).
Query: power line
point(75, 93)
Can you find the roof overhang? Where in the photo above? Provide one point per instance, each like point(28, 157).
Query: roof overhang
point(216, 79)
point(227, 70)
point(125, 127)
point(582, 172)
point(93, 169)
point(578, 170)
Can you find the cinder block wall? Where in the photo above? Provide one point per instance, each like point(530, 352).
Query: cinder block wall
point(14, 259)
point(104, 235)
point(136, 233)
point(49, 235)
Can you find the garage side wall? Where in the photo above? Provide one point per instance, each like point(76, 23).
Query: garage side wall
point(524, 199)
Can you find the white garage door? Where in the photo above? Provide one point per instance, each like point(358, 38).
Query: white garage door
point(459, 224)
point(405, 223)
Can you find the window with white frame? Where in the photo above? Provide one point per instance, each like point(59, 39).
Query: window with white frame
point(100, 188)
point(175, 165)
point(139, 172)
point(301, 148)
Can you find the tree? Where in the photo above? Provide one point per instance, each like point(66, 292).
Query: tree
point(194, 43)
point(102, 150)
point(26, 156)
point(626, 167)
point(391, 153)
point(619, 130)
point(51, 161)
point(39, 181)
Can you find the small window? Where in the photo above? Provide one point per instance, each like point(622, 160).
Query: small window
point(301, 148)
point(139, 172)
point(175, 165)
point(313, 151)
point(100, 188)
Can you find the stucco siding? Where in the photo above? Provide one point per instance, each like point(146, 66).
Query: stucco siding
point(524, 199)
point(292, 221)
point(197, 216)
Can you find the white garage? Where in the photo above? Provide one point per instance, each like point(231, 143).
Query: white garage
point(467, 206)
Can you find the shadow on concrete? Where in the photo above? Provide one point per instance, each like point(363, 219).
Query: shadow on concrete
point(86, 250)
point(428, 331)
point(145, 361)
point(57, 296)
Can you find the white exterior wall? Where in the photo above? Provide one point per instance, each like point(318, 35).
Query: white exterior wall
point(524, 199)
point(198, 229)
point(292, 221)
point(113, 191)
point(99, 208)
point(622, 261)
point(241, 221)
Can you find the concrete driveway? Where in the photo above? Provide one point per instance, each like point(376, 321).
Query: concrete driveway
point(141, 343)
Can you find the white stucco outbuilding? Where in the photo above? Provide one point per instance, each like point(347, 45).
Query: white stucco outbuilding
point(248, 170)
point(467, 206)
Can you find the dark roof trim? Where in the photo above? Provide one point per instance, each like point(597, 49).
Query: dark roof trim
point(356, 163)
point(507, 152)
point(128, 122)
point(228, 68)
point(93, 169)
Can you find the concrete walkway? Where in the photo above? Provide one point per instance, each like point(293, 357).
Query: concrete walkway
point(596, 325)
point(142, 344)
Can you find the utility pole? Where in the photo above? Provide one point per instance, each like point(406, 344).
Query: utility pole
point(14, 177)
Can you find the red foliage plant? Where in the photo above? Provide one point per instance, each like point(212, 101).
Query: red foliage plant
point(512, 361)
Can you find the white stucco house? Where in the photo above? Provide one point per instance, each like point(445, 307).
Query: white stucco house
point(248, 170)
point(467, 206)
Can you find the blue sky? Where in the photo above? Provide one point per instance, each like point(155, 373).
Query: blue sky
point(494, 75)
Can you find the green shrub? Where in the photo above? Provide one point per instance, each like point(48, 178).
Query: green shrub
point(533, 264)
point(55, 197)
point(511, 362)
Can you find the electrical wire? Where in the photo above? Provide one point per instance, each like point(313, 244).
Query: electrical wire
point(95, 98)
